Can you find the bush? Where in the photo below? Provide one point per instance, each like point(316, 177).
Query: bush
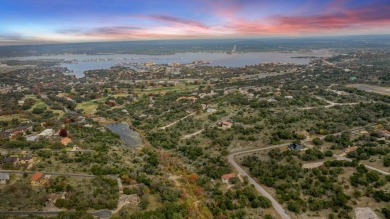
point(329, 153)
point(128, 191)
point(294, 207)
point(386, 212)
point(39, 110)
point(386, 161)
point(318, 142)
point(144, 202)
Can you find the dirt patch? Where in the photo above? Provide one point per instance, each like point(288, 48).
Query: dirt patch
point(365, 213)
point(312, 165)
point(371, 88)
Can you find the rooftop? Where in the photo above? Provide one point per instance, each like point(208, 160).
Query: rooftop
point(228, 176)
point(4, 176)
point(37, 176)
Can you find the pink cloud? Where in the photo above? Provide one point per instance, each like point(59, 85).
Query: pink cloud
point(177, 21)
point(364, 17)
point(232, 23)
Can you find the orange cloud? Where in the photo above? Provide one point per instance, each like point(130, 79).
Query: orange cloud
point(335, 17)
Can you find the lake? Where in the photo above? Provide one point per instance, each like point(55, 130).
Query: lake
point(82, 62)
point(127, 134)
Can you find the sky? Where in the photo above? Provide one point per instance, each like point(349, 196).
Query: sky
point(68, 21)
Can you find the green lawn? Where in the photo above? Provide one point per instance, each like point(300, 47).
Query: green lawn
point(38, 102)
point(88, 106)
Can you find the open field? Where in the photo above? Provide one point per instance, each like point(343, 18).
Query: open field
point(88, 106)
point(372, 89)
point(91, 106)
point(38, 104)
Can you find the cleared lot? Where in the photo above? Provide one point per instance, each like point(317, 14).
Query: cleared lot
point(372, 88)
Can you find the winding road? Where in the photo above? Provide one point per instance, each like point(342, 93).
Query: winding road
point(278, 207)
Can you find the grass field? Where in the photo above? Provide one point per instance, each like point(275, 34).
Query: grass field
point(90, 106)
point(38, 102)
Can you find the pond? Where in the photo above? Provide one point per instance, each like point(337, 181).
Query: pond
point(127, 134)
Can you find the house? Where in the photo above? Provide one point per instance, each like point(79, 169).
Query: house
point(211, 110)
point(125, 111)
point(8, 160)
point(4, 177)
point(277, 92)
point(3, 152)
point(65, 141)
point(386, 133)
point(226, 125)
point(16, 132)
point(81, 119)
point(31, 138)
point(226, 177)
point(47, 133)
point(5, 134)
point(271, 100)
point(38, 179)
point(111, 103)
point(43, 96)
point(295, 147)
point(28, 159)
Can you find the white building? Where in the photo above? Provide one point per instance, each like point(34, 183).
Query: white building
point(4, 177)
point(47, 133)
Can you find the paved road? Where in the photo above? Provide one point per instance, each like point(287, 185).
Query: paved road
point(48, 173)
point(29, 212)
point(278, 207)
point(100, 214)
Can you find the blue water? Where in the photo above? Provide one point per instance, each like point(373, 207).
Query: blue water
point(91, 62)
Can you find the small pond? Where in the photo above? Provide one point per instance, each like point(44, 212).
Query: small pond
point(127, 134)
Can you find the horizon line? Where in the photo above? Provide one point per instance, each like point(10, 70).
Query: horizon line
point(200, 39)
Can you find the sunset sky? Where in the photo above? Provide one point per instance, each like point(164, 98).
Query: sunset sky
point(62, 21)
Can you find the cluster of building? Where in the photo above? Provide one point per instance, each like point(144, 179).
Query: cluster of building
point(37, 179)
point(18, 161)
point(16, 132)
